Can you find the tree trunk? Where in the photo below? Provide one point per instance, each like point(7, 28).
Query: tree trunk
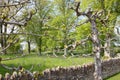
point(4, 39)
point(96, 51)
point(65, 43)
point(65, 49)
point(107, 47)
point(3, 29)
point(54, 52)
point(2, 42)
point(39, 51)
point(1, 35)
point(40, 46)
point(29, 48)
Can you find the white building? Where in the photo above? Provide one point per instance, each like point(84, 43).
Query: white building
point(117, 31)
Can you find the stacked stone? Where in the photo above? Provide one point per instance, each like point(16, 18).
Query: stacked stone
point(25, 75)
point(85, 72)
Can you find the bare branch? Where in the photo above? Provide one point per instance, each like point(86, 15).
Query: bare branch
point(77, 10)
point(9, 68)
point(16, 4)
point(8, 45)
point(13, 58)
point(82, 23)
point(16, 11)
point(31, 68)
point(22, 34)
point(75, 44)
point(15, 23)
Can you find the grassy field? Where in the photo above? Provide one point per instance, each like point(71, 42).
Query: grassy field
point(114, 77)
point(44, 62)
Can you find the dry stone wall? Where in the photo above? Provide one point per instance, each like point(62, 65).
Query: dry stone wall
point(85, 72)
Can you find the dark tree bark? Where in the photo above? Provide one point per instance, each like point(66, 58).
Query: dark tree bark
point(40, 46)
point(2, 40)
point(29, 46)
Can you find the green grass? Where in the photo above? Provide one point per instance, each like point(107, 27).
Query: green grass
point(114, 77)
point(43, 62)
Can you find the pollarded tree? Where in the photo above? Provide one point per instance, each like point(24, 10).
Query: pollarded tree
point(107, 21)
point(92, 17)
point(11, 21)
